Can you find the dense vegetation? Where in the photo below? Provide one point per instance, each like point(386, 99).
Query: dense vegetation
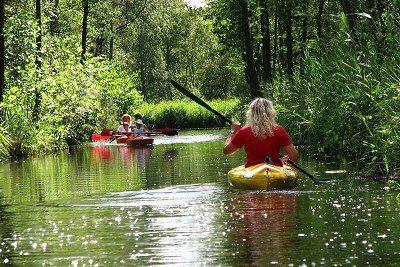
point(69, 68)
point(184, 114)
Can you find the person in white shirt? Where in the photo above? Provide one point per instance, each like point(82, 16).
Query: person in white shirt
point(124, 128)
point(139, 128)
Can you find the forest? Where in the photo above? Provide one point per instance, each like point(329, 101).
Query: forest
point(69, 68)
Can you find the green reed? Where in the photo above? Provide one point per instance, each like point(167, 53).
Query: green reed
point(187, 114)
point(346, 103)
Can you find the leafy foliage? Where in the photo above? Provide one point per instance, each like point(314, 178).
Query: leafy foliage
point(76, 100)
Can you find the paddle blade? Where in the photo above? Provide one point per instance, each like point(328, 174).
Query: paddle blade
point(170, 132)
point(100, 137)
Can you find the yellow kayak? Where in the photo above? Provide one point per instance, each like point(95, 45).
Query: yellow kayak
point(262, 176)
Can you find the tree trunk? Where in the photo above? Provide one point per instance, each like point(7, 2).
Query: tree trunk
point(275, 38)
point(351, 18)
point(289, 38)
point(249, 56)
point(111, 51)
point(84, 28)
point(319, 18)
point(380, 9)
point(2, 50)
point(304, 36)
point(100, 40)
point(281, 55)
point(140, 46)
point(258, 59)
point(54, 18)
point(35, 111)
point(266, 43)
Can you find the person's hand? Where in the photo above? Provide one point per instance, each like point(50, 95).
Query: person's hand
point(235, 126)
point(285, 159)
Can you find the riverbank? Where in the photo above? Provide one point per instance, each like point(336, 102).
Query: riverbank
point(309, 127)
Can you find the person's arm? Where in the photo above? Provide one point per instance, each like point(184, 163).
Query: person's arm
point(230, 148)
point(291, 153)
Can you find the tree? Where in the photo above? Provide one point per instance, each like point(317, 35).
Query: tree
point(2, 50)
point(318, 18)
point(266, 42)
point(348, 9)
point(84, 28)
point(304, 29)
point(38, 16)
point(251, 73)
point(54, 18)
point(289, 37)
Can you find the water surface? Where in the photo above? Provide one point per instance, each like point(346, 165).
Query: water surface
point(171, 204)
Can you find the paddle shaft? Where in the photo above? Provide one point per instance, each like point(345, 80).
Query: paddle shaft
point(196, 99)
point(163, 132)
point(315, 181)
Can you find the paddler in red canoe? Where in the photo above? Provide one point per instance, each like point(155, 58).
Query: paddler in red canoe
point(261, 137)
point(139, 128)
point(126, 125)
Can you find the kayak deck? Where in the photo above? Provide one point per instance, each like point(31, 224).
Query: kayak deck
point(262, 176)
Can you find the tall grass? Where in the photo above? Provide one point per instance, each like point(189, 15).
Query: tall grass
point(188, 114)
point(346, 103)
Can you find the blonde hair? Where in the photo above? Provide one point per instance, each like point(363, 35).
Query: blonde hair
point(261, 117)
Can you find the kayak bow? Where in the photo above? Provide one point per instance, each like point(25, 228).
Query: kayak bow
point(263, 176)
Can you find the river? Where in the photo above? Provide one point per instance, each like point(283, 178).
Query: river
point(102, 205)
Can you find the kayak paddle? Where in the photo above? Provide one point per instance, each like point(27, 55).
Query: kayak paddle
point(315, 181)
point(189, 94)
point(169, 132)
point(163, 131)
point(196, 99)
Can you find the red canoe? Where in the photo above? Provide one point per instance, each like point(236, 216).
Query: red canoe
point(138, 141)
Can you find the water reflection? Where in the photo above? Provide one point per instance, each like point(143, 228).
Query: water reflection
point(172, 204)
point(5, 232)
point(260, 226)
point(101, 153)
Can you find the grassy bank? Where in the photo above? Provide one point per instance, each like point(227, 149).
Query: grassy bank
point(187, 114)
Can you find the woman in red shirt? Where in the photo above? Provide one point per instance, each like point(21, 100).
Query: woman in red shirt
point(261, 137)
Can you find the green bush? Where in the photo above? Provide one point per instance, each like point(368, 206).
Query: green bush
point(76, 100)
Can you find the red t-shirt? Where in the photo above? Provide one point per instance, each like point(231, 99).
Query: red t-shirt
point(258, 149)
